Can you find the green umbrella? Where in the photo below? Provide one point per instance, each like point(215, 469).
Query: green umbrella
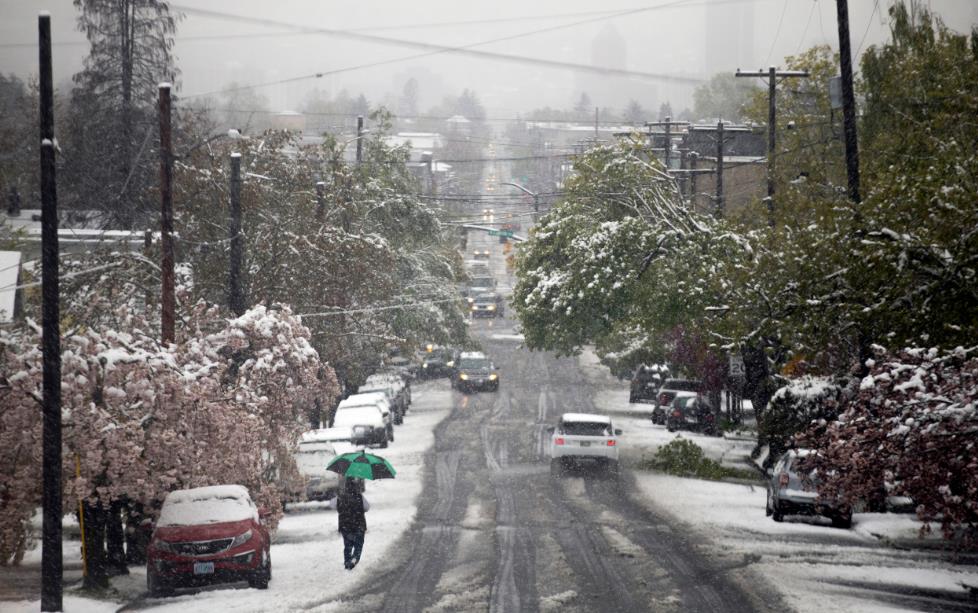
point(361, 465)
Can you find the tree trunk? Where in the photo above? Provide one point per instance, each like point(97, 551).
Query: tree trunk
point(138, 531)
point(115, 540)
point(96, 577)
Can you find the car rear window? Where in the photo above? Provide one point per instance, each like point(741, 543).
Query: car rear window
point(683, 385)
point(585, 428)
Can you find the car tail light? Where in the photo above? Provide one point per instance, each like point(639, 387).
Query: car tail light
point(558, 441)
point(783, 480)
point(663, 399)
point(611, 442)
point(677, 413)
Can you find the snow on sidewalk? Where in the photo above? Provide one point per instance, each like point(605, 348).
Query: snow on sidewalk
point(307, 552)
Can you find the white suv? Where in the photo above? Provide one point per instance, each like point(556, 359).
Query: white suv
point(583, 439)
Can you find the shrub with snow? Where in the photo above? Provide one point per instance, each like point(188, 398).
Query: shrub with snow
point(911, 430)
point(795, 407)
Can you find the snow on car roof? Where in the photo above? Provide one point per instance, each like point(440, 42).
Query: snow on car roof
point(585, 417)
point(365, 399)
point(359, 416)
point(473, 354)
point(327, 435)
point(207, 505)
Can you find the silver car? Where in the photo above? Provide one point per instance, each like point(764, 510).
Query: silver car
point(789, 493)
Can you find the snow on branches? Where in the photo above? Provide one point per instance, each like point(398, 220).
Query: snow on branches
point(911, 430)
point(141, 419)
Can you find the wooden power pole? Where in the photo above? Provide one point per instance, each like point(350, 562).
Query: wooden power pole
point(236, 298)
point(168, 292)
point(51, 561)
point(772, 74)
point(359, 138)
point(848, 102)
point(720, 204)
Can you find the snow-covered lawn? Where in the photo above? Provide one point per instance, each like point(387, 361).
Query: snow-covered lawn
point(813, 566)
point(307, 555)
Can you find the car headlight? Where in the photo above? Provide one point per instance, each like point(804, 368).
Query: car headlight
point(164, 546)
point(471, 300)
point(491, 307)
point(493, 377)
point(450, 364)
point(463, 377)
point(241, 539)
point(424, 366)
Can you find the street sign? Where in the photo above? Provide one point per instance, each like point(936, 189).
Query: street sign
point(505, 233)
point(736, 365)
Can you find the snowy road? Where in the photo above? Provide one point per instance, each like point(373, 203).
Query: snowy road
point(495, 532)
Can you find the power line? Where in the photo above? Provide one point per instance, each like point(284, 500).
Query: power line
point(869, 24)
point(430, 49)
point(784, 9)
point(801, 41)
point(409, 26)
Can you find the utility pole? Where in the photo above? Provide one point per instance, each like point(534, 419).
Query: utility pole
point(320, 200)
point(595, 126)
point(848, 102)
point(359, 138)
point(772, 75)
point(167, 298)
point(51, 564)
point(667, 124)
point(720, 205)
point(236, 299)
point(691, 158)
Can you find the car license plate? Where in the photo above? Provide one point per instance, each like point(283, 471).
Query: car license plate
point(203, 568)
point(585, 443)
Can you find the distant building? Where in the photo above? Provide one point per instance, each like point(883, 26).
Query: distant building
point(288, 120)
point(744, 166)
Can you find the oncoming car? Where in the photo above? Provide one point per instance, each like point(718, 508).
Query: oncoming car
point(208, 535)
point(582, 440)
point(487, 305)
point(475, 372)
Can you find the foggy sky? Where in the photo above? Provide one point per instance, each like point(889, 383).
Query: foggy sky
point(696, 40)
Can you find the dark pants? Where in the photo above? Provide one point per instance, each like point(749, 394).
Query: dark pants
point(352, 547)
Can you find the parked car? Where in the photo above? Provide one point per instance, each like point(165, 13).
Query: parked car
point(365, 420)
point(395, 398)
point(645, 384)
point(311, 458)
point(670, 387)
point(690, 411)
point(480, 254)
point(582, 440)
point(487, 305)
point(380, 400)
point(397, 381)
point(475, 372)
point(789, 493)
point(208, 535)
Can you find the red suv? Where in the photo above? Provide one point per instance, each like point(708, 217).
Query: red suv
point(208, 535)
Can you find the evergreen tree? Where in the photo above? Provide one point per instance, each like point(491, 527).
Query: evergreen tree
point(112, 120)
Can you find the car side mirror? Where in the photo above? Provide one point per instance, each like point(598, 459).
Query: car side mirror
point(617, 431)
point(551, 429)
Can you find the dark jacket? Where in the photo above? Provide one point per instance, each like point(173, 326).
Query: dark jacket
point(350, 512)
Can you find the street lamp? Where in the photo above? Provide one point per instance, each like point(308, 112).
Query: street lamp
point(536, 197)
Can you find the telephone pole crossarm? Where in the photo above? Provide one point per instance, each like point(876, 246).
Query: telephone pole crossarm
point(773, 75)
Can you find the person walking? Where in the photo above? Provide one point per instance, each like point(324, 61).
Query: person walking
point(350, 509)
